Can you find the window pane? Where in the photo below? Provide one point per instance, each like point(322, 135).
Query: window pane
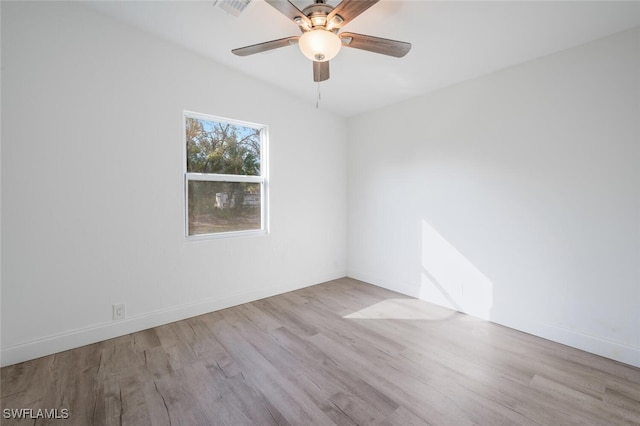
point(223, 207)
point(214, 147)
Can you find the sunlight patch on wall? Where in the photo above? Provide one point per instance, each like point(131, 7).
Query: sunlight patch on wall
point(449, 279)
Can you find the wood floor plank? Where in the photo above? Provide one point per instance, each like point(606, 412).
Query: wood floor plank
point(275, 384)
point(342, 352)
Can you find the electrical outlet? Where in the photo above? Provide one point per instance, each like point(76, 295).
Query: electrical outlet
point(118, 311)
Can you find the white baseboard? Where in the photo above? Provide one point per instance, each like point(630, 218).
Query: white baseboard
point(593, 344)
point(406, 289)
point(84, 336)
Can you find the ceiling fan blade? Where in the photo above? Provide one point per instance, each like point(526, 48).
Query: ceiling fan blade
point(375, 44)
point(267, 45)
point(290, 10)
point(348, 10)
point(320, 71)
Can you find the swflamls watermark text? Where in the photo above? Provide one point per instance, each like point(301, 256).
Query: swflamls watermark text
point(35, 413)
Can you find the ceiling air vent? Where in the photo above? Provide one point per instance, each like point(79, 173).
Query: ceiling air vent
point(232, 7)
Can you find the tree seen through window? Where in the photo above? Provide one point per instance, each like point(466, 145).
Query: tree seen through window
point(224, 181)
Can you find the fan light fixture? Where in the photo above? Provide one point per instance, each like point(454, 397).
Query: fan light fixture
point(322, 37)
point(319, 45)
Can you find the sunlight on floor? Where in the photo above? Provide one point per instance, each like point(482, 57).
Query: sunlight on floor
point(403, 309)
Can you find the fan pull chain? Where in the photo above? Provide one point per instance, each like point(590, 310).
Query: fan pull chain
point(319, 97)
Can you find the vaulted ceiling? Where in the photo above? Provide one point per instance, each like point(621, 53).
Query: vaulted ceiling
point(452, 41)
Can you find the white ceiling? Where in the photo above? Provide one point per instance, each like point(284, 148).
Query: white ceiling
point(452, 41)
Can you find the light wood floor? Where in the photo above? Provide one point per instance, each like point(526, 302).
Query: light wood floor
point(342, 352)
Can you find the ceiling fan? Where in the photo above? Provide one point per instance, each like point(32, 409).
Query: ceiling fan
point(321, 39)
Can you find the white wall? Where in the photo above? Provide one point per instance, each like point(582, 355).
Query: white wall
point(514, 197)
point(92, 185)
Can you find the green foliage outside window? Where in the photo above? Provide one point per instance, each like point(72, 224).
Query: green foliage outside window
point(223, 148)
point(228, 149)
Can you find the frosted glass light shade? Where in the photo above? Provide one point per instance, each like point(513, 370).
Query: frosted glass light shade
point(319, 45)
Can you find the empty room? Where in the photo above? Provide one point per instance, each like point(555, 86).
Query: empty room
point(356, 212)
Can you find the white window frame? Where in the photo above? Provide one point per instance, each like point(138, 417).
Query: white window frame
point(262, 179)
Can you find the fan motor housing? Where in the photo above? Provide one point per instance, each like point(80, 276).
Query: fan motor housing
point(317, 13)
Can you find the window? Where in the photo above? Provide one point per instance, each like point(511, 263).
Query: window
point(225, 177)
